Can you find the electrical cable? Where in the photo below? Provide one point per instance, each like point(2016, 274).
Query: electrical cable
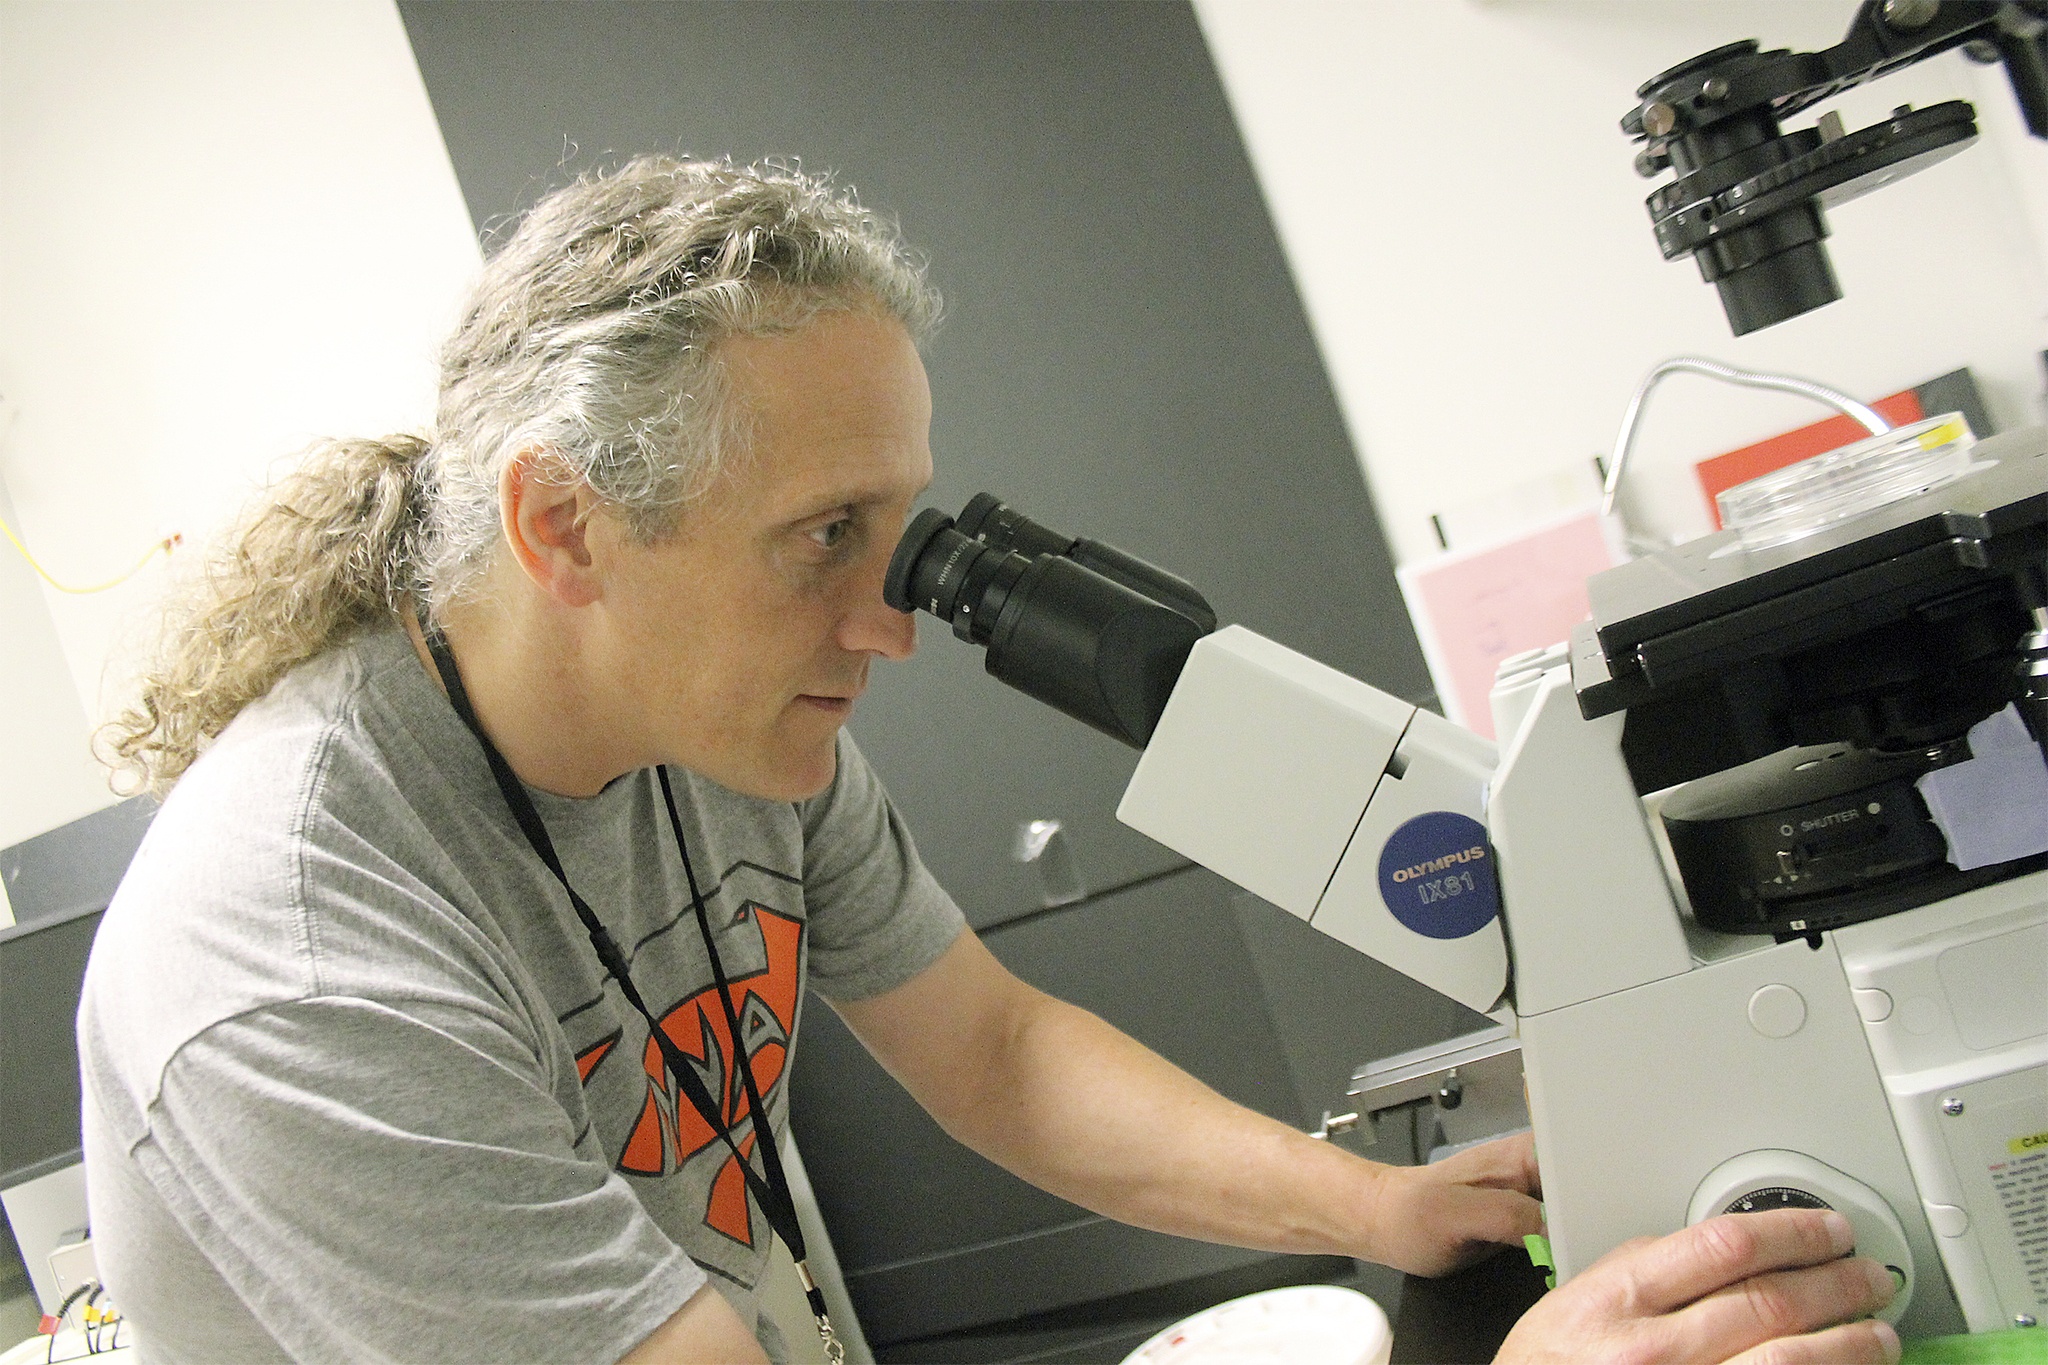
point(164, 546)
point(53, 1323)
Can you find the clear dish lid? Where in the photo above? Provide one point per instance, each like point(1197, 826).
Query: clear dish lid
point(1814, 494)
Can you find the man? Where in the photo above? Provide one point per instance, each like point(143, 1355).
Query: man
point(357, 1087)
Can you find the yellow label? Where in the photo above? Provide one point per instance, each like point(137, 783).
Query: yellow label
point(1941, 435)
point(2032, 1142)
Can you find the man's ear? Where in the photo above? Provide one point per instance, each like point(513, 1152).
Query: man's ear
point(546, 523)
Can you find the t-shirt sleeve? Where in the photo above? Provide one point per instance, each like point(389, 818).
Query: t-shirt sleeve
point(384, 1182)
point(877, 917)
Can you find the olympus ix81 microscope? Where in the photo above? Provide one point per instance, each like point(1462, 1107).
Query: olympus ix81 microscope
point(1759, 874)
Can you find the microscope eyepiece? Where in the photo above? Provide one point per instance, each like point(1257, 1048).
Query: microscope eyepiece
point(961, 581)
point(988, 518)
point(1083, 627)
point(994, 522)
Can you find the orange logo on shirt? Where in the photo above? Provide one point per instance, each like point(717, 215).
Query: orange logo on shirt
point(670, 1131)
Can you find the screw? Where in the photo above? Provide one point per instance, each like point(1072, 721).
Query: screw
point(1952, 1106)
point(1910, 13)
point(1713, 90)
point(1334, 1123)
point(1659, 119)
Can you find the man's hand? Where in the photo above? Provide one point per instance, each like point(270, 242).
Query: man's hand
point(1718, 1291)
point(1429, 1220)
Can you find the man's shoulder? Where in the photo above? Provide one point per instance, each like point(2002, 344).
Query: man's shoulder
point(294, 847)
point(852, 797)
point(347, 739)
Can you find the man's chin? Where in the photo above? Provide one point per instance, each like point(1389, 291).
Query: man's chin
point(799, 779)
point(773, 767)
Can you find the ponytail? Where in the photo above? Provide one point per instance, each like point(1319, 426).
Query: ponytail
point(333, 548)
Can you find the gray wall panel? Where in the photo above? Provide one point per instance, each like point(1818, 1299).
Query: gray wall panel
point(1125, 358)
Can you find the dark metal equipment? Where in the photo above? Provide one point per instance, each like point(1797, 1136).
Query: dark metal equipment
point(1873, 647)
point(1749, 200)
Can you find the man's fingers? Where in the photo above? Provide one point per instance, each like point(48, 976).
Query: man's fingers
point(1787, 1303)
point(1502, 1216)
point(1505, 1164)
point(1484, 1221)
point(1691, 1264)
point(1854, 1343)
point(1762, 1289)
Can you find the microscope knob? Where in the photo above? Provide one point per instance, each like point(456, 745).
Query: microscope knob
point(1773, 1179)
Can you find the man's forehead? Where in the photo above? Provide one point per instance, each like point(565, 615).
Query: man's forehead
point(870, 477)
point(773, 481)
point(851, 364)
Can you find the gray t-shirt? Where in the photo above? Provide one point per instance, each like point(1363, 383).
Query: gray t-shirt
point(356, 1087)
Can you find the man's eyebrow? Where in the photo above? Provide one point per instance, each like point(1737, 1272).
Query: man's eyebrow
point(859, 495)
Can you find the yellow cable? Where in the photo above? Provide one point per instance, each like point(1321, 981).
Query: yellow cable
point(164, 546)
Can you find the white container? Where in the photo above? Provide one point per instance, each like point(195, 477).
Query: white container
point(1311, 1324)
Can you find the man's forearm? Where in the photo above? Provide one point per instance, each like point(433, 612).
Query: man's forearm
point(1064, 1100)
point(1083, 1110)
point(1098, 1118)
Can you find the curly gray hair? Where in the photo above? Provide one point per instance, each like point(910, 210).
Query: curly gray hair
point(592, 339)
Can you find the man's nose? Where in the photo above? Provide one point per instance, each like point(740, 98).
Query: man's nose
point(875, 627)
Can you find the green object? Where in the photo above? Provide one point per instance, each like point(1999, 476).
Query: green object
point(1539, 1256)
point(2013, 1346)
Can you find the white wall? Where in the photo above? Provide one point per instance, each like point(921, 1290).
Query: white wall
point(229, 228)
point(1462, 215)
point(226, 229)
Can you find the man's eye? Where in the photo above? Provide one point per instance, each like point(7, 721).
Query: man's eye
point(832, 532)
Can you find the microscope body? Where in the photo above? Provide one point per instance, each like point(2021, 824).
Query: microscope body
point(1674, 1082)
point(1670, 1070)
point(1894, 1069)
point(1887, 1058)
point(1760, 876)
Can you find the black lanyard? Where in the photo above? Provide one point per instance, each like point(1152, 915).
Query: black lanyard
point(773, 1191)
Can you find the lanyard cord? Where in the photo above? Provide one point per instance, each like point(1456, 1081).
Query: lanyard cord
point(772, 1192)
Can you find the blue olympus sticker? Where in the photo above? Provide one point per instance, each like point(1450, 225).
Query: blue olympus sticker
point(1436, 875)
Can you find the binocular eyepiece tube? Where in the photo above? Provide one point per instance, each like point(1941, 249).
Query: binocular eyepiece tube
point(1081, 626)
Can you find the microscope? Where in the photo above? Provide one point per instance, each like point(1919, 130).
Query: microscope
point(1758, 877)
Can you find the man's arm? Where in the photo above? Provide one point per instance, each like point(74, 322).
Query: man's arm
point(1062, 1099)
point(704, 1331)
point(1057, 1096)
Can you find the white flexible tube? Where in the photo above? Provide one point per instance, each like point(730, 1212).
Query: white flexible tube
point(1625, 439)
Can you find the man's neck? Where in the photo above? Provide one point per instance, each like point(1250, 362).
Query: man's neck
point(520, 669)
